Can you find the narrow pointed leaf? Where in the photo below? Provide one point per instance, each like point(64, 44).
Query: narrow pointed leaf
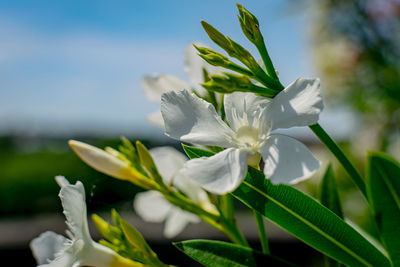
point(216, 253)
point(330, 199)
point(308, 220)
point(383, 188)
point(194, 152)
point(304, 217)
point(329, 192)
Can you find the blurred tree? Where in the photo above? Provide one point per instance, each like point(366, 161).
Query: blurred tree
point(356, 45)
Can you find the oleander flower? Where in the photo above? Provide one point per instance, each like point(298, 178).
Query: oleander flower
point(157, 84)
point(249, 136)
point(153, 207)
point(53, 250)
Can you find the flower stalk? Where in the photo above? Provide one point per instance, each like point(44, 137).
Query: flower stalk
point(262, 233)
point(225, 225)
point(340, 156)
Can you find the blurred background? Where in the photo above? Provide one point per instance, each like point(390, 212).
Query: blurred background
point(72, 70)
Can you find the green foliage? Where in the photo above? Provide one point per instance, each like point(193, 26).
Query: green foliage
point(356, 48)
point(308, 220)
point(303, 217)
point(27, 170)
point(126, 240)
point(329, 192)
point(216, 253)
point(147, 162)
point(194, 152)
point(138, 242)
point(383, 187)
point(330, 199)
point(129, 151)
point(115, 239)
point(229, 83)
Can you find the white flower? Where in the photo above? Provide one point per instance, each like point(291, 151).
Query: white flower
point(53, 250)
point(153, 207)
point(248, 137)
point(155, 85)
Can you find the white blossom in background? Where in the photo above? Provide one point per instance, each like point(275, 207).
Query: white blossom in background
point(157, 84)
point(153, 207)
point(249, 136)
point(54, 250)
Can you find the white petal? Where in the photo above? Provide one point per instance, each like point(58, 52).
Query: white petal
point(194, 66)
point(219, 174)
point(64, 259)
point(156, 119)
point(244, 109)
point(155, 85)
point(101, 160)
point(191, 119)
point(177, 221)
point(61, 181)
point(73, 201)
point(299, 104)
point(46, 246)
point(151, 206)
point(287, 161)
point(168, 161)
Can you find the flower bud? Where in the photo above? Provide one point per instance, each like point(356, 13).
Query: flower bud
point(212, 57)
point(137, 241)
point(100, 160)
point(105, 229)
point(244, 56)
point(249, 24)
point(147, 161)
point(218, 38)
point(109, 164)
point(231, 47)
point(116, 153)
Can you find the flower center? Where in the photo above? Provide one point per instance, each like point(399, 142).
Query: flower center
point(248, 137)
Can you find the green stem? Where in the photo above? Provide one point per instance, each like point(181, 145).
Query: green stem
point(228, 220)
point(228, 227)
point(222, 108)
point(226, 206)
point(239, 69)
point(262, 49)
point(340, 156)
point(262, 233)
point(258, 74)
point(266, 80)
point(233, 232)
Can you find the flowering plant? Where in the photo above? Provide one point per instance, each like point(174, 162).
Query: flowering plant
point(230, 114)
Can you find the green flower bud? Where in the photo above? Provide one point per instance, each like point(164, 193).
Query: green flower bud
point(229, 83)
point(244, 56)
point(212, 57)
point(147, 161)
point(137, 241)
point(239, 52)
point(106, 230)
point(218, 38)
point(249, 24)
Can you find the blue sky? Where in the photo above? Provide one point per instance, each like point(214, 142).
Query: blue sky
point(75, 66)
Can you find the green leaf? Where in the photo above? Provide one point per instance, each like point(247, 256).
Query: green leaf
point(217, 253)
point(329, 192)
point(308, 220)
point(330, 199)
point(194, 152)
point(383, 189)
